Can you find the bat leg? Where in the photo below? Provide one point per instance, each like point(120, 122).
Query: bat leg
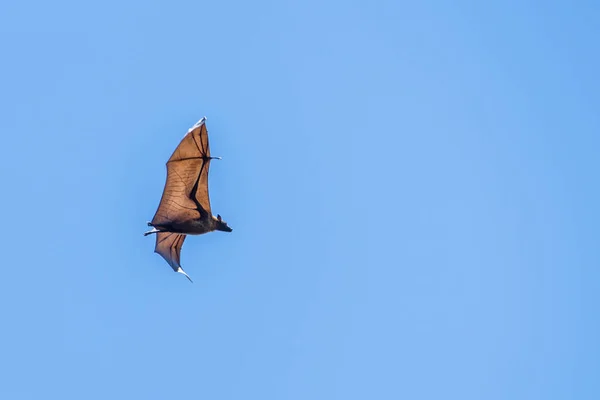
point(153, 230)
point(181, 271)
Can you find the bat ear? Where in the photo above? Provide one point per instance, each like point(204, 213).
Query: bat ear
point(219, 217)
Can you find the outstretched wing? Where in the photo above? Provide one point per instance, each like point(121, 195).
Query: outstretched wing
point(185, 196)
point(168, 245)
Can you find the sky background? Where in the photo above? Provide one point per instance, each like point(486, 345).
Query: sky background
point(412, 187)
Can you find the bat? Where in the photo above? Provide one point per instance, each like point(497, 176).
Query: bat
point(184, 208)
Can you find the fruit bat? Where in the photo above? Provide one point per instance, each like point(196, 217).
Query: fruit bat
point(184, 208)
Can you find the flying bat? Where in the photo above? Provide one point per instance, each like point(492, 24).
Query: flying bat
point(184, 208)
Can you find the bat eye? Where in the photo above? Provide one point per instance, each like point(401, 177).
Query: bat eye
point(219, 217)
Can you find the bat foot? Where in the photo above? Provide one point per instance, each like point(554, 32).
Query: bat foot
point(149, 223)
point(151, 231)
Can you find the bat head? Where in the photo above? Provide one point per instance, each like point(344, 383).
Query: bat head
point(222, 225)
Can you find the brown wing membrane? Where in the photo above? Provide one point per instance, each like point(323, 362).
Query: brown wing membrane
point(168, 245)
point(185, 196)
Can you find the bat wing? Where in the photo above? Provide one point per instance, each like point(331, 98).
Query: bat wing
point(185, 196)
point(168, 245)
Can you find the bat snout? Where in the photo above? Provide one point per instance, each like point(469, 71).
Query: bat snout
point(224, 227)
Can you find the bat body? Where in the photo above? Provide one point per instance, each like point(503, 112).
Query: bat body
point(184, 208)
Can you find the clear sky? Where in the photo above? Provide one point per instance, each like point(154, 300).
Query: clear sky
point(413, 188)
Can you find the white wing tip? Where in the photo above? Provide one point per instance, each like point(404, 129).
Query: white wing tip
point(198, 124)
point(181, 271)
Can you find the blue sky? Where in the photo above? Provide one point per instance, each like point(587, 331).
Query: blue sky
point(412, 188)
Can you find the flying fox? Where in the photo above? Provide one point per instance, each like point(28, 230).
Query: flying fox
point(184, 208)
